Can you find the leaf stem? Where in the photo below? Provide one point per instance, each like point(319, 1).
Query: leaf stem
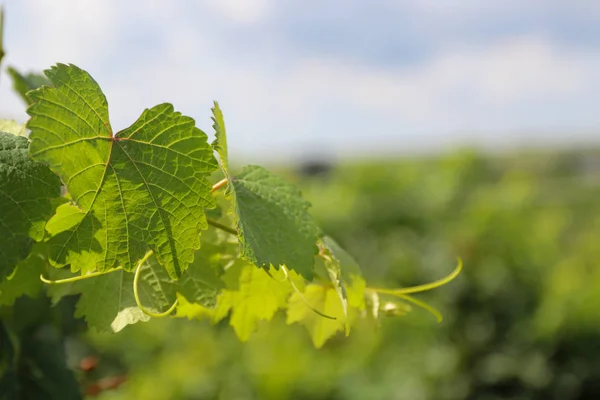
point(221, 226)
point(136, 295)
point(77, 278)
point(219, 185)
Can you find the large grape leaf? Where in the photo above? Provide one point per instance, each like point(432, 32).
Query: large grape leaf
point(272, 219)
point(273, 223)
point(144, 188)
point(26, 190)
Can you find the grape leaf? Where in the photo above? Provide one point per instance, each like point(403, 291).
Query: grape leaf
point(326, 300)
point(107, 301)
point(1, 34)
point(24, 83)
point(332, 271)
point(25, 280)
point(10, 126)
point(26, 190)
point(257, 298)
point(43, 372)
point(9, 387)
point(274, 227)
point(144, 188)
point(200, 283)
point(273, 224)
point(342, 298)
point(354, 284)
point(220, 142)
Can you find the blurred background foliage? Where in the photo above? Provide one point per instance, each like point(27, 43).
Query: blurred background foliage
point(521, 321)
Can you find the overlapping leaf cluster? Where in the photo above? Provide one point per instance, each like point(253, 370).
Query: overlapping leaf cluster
point(129, 234)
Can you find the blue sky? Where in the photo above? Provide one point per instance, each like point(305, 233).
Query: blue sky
point(331, 78)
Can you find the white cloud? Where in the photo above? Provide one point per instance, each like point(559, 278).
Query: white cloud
point(241, 11)
point(527, 83)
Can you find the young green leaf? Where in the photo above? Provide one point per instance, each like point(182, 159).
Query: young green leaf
point(220, 142)
point(273, 223)
point(256, 298)
point(1, 34)
point(10, 126)
point(24, 83)
point(144, 188)
point(354, 284)
point(26, 190)
point(326, 300)
point(343, 297)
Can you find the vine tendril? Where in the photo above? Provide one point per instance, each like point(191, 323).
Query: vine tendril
point(76, 278)
point(136, 278)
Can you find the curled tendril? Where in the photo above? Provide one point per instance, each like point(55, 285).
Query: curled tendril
point(403, 293)
point(425, 287)
point(136, 278)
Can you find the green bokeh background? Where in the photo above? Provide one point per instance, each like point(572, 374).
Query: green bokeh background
point(521, 322)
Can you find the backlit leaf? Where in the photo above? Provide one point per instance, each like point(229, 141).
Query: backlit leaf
point(26, 190)
point(143, 188)
point(273, 223)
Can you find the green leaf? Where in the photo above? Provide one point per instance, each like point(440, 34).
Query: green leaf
point(220, 142)
point(273, 223)
point(10, 126)
point(24, 83)
point(107, 302)
point(8, 366)
point(25, 280)
point(200, 283)
point(26, 190)
point(156, 289)
point(2, 53)
point(326, 300)
point(342, 296)
point(256, 298)
point(43, 372)
point(144, 188)
point(350, 274)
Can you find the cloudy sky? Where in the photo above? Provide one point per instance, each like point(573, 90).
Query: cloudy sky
point(307, 78)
